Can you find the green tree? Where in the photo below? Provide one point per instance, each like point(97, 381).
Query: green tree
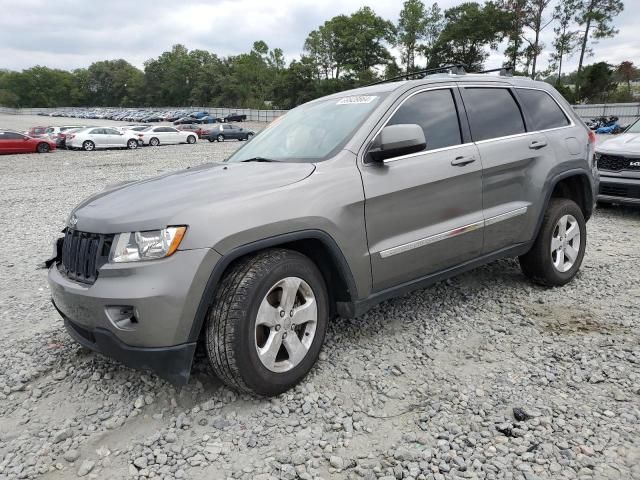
point(627, 72)
point(537, 22)
point(412, 29)
point(113, 83)
point(566, 39)
point(515, 13)
point(470, 28)
point(595, 82)
point(599, 15)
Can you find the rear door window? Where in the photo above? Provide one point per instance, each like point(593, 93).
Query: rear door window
point(435, 111)
point(492, 113)
point(543, 110)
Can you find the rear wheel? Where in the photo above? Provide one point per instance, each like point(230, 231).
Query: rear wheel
point(220, 138)
point(191, 139)
point(42, 148)
point(88, 145)
point(210, 139)
point(557, 252)
point(267, 323)
point(132, 144)
point(154, 142)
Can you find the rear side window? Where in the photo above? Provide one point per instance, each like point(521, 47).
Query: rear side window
point(10, 136)
point(435, 111)
point(544, 111)
point(492, 113)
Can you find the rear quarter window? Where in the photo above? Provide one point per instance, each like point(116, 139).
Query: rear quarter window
point(542, 109)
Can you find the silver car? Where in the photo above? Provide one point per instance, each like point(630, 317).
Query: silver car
point(93, 138)
point(340, 204)
point(619, 165)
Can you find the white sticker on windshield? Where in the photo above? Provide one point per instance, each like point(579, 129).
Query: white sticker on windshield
point(356, 99)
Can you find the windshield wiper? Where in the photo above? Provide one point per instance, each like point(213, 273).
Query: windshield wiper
point(259, 159)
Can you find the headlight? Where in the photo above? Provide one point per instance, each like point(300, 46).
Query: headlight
point(141, 246)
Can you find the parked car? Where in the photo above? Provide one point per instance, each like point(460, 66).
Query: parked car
point(208, 119)
point(59, 134)
point(36, 132)
point(93, 138)
point(234, 117)
point(191, 127)
point(14, 142)
point(198, 115)
point(619, 166)
point(184, 121)
point(155, 136)
point(254, 255)
point(226, 131)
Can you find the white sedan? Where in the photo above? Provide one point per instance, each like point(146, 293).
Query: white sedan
point(155, 136)
point(92, 138)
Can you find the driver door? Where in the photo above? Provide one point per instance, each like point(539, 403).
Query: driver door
point(423, 210)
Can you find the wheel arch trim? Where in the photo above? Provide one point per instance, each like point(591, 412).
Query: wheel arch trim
point(221, 266)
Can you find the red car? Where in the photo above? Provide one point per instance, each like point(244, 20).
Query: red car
point(14, 142)
point(192, 127)
point(36, 131)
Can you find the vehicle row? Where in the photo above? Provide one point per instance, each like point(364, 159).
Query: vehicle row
point(146, 115)
point(88, 138)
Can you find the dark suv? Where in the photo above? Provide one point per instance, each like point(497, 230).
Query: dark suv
point(342, 203)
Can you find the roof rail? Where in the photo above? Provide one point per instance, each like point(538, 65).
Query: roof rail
point(506, 71)
point(456, 69)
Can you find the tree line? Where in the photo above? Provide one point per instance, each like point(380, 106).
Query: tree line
point(347, 51)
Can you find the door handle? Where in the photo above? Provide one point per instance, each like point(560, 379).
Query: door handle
point(537, 144)
point(462, 161)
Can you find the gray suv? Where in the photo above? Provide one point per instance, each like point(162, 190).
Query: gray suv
point(342, 203)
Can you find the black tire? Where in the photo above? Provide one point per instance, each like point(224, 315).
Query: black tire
point(42, 148)
point(154, 142)
point(132, 144)
point(230, 326)
point(88, 146)
point(537, 263)
point(191, 139)
point(220, 138)
point(210, 139)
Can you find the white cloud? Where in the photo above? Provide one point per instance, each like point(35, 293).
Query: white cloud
point(72, 33)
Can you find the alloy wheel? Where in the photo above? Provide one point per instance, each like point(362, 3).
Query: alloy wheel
point(565, 243)
point(286, 324)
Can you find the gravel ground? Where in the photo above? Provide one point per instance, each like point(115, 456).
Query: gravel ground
point(483, 376)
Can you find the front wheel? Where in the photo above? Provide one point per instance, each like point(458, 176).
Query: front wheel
point(42, 148)
point(558, 250)
point(191, 139)
point(220, 138)
point(132, 144)
point(267, 322)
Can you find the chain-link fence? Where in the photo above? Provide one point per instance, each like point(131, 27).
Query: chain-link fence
point(626, 112)
point(252, 114)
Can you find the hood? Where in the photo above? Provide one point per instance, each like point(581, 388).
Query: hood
point(628, 143)
point(166, 200)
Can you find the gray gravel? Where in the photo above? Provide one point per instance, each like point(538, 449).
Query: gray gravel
point(483, 376)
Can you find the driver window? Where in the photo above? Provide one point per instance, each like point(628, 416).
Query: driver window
point(435, 111)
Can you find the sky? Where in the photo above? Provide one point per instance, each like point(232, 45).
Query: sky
point(71, 34)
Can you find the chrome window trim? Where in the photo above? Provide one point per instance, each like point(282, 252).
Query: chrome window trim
point(454, 232)
point(479, 142)
point(422, 90)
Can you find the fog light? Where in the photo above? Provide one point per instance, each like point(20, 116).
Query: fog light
point(123, 317)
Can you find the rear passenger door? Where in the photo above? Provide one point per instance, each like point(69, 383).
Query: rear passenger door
point(511, 152)
point(423, 211)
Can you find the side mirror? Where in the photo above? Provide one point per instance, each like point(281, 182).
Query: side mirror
point(25, 138)
point(396, 140)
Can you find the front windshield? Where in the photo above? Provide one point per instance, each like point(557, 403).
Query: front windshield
point(634, 128)
point(311, 132)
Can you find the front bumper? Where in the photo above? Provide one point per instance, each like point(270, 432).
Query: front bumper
point(140, 313)
point(619, 190)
